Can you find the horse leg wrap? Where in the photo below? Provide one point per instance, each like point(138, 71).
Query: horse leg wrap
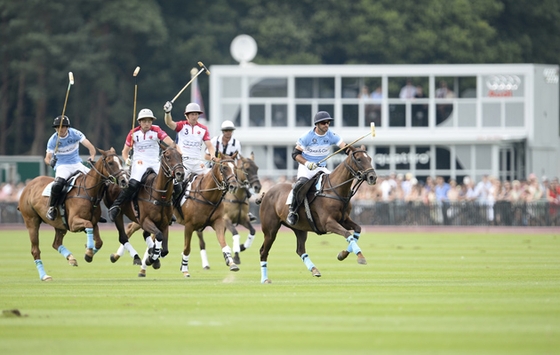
point(356, 237)
point(65, 252)
point(227, 255)
point(127, 246)
point(41, 269)
point(307, 261)
point(204, 258)
point(185, 263)
point(249, 241)
point(236, 245)
point(89, 244)
point(157, 250)
point(264, 271)
point(149, 242)
point(352, 245)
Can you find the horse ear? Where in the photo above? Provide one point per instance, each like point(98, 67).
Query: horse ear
point(252, 156)
point(102, 152)
point(234, 155)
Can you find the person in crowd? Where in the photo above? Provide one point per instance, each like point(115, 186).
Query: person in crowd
point(408, 91)
point(63, 156)
point(311, 148)
point(144, 139)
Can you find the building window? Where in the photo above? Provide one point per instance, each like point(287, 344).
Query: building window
point(256, 115)
point(268, 87)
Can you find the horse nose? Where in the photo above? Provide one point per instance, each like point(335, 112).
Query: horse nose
point(179, 176)
point(372, 179)
point(123, 182)
point(257, 188)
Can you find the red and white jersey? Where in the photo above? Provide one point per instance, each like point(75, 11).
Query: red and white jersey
point(145, 145)
point(190, 138)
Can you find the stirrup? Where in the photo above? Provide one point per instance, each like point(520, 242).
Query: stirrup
point(292, 218)
point(51, 213)
point(252, 218)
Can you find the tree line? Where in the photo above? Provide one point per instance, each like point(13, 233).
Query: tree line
point(102, 42)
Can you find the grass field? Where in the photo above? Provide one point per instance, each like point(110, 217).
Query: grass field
point(421, 293)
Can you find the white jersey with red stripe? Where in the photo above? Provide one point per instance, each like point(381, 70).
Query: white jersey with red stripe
point(190, 139)
point(145, 145)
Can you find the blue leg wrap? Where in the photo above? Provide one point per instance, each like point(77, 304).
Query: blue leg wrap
point(307, 261)
point(356, 237)
point(95, 250)
point(353, 246)
point(41, 269)
point(65, 252)
point(264, 271)
point(89, 243)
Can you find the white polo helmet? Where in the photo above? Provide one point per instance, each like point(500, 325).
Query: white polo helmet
point(144, 113)
point(193, 107)
point(228, 125)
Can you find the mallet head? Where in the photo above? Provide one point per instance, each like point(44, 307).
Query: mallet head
point(136, 71)
point(200, 64)
point(71, 78)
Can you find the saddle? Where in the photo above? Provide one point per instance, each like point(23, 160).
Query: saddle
point(309, 190)
point(143, 182)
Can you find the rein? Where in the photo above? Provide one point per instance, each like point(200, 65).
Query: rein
point(166, 198)
point(358, 175)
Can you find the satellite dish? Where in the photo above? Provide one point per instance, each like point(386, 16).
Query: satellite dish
point(243, 48)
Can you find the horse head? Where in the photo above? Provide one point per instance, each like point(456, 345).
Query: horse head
point(172, 163)
point(110, 167)
point(247, 173)
point(226, 166)
point(359, 164)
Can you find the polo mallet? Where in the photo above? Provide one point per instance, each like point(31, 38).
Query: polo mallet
point(70, 83)
point(202, 68)
point(136, 71)
point(372, 133)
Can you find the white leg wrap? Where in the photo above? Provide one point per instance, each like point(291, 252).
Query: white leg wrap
point(204, 258)
point(120, 251)
point(236, 246)
point(146, 256)
point(185, 263)
point(149, 242)
point(249, 241)
point(226, 249)
point(130, 249)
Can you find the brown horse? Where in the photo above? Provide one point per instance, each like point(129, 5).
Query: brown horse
point(203, 207)
point(81, 209)
point(236, 208)
point(155, 209)
point(327, 209)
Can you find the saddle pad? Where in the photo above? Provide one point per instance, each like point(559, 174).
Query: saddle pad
point(291, 194)
point(187, 192)
point(69, 185)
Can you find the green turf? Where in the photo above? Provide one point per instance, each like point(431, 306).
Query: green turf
point(432, 293)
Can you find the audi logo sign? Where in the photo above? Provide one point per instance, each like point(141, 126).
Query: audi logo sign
point(503, 82)
point(550, 75)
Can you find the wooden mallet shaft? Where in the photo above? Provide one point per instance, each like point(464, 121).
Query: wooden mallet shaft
point(203, 68)
point(372, 133)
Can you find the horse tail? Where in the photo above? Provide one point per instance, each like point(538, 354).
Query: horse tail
point(258, 201)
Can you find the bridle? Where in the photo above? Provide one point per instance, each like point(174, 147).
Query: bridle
point(249, 178)
point(168, 170)
point(226, 179)
point(109, 179)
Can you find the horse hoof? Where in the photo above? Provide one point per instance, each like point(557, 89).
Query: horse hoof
point(46, 278)
point(233, 267)
point(137, 260)
point(207, 267)
point(267, 281)
point(186, 275)
point(236, 259)
point(362, 261)
point(315, 272)
point(142, 273)
point(88, 258)
point(342, 255)
point(156, 264)
point(114, 257)
point(72, 261)
point(149, 261)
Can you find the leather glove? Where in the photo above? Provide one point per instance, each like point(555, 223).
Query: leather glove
point(53, 162)
point(168, 107)
point(311, 166)
point(128, 162)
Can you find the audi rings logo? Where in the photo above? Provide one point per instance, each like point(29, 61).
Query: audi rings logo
point(503, 82)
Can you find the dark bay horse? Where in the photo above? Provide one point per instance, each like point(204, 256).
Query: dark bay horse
point(329, 208)
point(203, 207)
point(155, 208)
point(236, 208)
point(81, 208)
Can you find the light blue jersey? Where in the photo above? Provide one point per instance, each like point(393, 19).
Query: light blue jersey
point(68, 147)
point(316, 147)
